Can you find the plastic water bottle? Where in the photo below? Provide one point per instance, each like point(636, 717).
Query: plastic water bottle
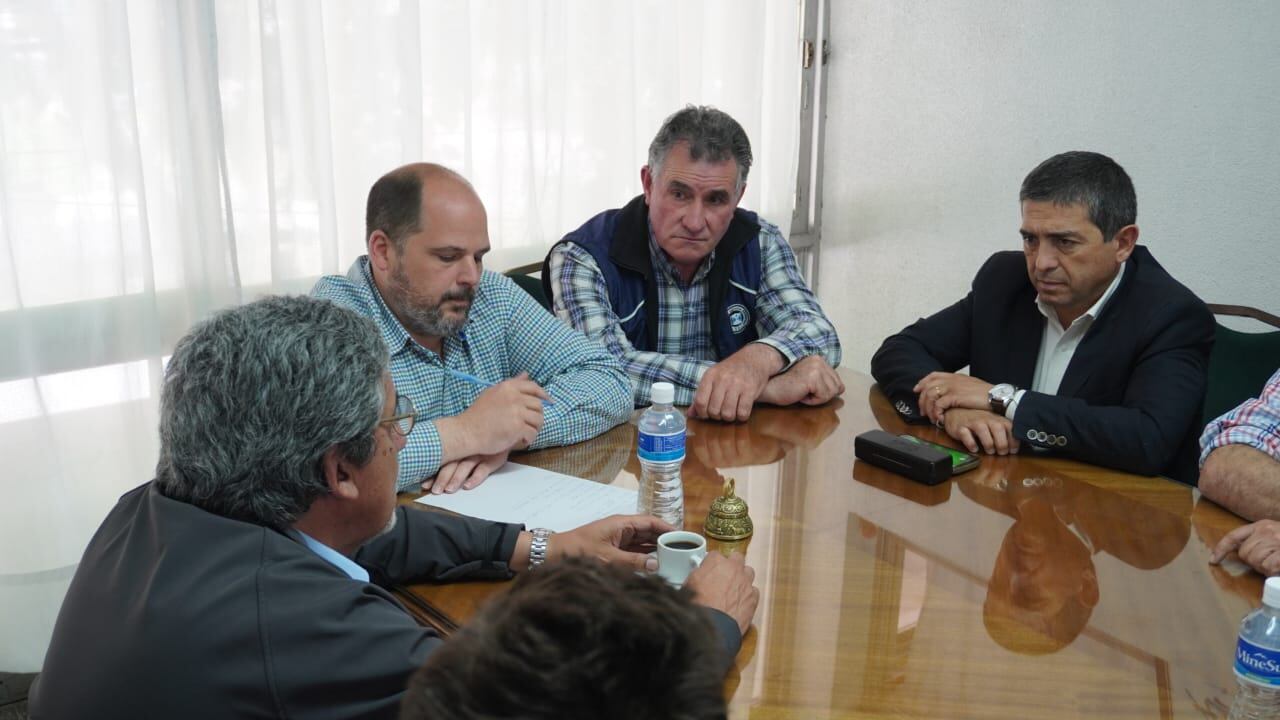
point(661, 452)
point(1258, 659)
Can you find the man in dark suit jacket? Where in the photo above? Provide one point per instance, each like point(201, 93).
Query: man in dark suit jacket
point(248, 579)
point(1081, 345)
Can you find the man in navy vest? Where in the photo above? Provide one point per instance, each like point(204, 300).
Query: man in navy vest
point(683, 286)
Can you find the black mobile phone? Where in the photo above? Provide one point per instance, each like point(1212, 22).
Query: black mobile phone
point(960, 460)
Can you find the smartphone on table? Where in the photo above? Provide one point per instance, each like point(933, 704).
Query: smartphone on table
point(960, 460)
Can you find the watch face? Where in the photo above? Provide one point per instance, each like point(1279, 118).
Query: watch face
point(1000, 397)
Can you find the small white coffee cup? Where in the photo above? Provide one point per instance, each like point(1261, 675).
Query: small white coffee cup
point(679, 552)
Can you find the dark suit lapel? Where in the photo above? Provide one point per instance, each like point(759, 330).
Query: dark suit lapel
point(1099, 340)
point(1085, 360)
point(1026, 328)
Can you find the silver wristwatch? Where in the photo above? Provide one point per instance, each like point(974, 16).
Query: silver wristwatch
point(1000, 396)
point(538, 546)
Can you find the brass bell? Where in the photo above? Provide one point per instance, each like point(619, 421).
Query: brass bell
point(728, 519)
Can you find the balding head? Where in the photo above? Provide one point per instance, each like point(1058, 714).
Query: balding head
point(428, 234)
point(403, 200)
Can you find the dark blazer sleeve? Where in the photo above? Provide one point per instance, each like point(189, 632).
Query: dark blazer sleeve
point(938, 342)
point(331, 647)
point(342, 648)
point(1161, 401)
point(730, 638)
point(428, 545)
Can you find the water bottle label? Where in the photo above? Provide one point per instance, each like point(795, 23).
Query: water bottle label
point(1258, 664)
point(661, 448)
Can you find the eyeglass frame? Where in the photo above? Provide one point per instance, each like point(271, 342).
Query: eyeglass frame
point(404, 410)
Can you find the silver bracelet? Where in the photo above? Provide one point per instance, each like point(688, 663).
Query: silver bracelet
point(538, 547)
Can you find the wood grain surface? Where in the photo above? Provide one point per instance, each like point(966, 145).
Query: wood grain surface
point(1031, 587)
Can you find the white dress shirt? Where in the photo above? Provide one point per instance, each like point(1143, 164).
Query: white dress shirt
point(1058, 344)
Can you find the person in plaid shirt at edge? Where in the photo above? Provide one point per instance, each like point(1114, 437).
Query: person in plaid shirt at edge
point(1240, 470)
point(686, 287)
point(424, 284)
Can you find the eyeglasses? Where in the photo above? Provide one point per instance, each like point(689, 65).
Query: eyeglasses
point(404, 416)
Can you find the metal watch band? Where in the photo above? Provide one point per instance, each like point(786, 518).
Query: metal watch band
point(538, 547)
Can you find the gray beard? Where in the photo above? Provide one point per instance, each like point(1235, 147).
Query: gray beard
point(420, 314)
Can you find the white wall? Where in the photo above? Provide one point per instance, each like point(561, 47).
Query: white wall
point(938, 110)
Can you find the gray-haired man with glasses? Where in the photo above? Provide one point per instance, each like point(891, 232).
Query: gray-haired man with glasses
point(248, 579)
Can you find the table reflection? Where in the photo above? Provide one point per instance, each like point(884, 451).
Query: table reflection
point(601, 460)
point(1044, 585)
point(1211, 523)
point(1031, 587)
point(771, 434)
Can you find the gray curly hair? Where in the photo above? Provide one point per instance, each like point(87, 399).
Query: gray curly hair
point(713, 135)
point(254, 396)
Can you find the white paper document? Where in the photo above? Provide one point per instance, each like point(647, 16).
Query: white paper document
point(538, 498)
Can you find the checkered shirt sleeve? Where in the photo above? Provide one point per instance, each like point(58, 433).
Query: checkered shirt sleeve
point(581, 299)
point(789, 318)
point(507, 332)
point(1256, 423)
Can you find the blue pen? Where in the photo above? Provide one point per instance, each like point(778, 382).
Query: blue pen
point(482, 383)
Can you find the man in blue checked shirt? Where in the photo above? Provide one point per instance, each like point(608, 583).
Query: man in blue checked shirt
point(1240, 470)
point(443, 316)
point(685, 287)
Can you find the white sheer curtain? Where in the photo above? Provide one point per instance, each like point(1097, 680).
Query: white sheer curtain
point(163, 159)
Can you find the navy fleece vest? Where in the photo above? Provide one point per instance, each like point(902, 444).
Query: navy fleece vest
point(619, 242)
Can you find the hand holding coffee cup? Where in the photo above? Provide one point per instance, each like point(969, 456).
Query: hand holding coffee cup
point(726, 584)
point(679, 553)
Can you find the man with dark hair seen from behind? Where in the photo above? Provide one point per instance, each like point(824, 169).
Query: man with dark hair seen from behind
point(581, 640)
point(1081, 345)
point(445, 317)
point(249, 578)
point(684, 286)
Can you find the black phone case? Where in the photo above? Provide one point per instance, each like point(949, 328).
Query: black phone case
point(919, 462)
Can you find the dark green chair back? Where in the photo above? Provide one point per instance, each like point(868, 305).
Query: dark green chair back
point(1241, 363)
point(531, 284)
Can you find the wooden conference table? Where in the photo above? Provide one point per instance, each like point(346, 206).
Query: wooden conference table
point(1027, 588)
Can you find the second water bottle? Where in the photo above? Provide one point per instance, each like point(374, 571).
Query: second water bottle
point(1257, 663)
